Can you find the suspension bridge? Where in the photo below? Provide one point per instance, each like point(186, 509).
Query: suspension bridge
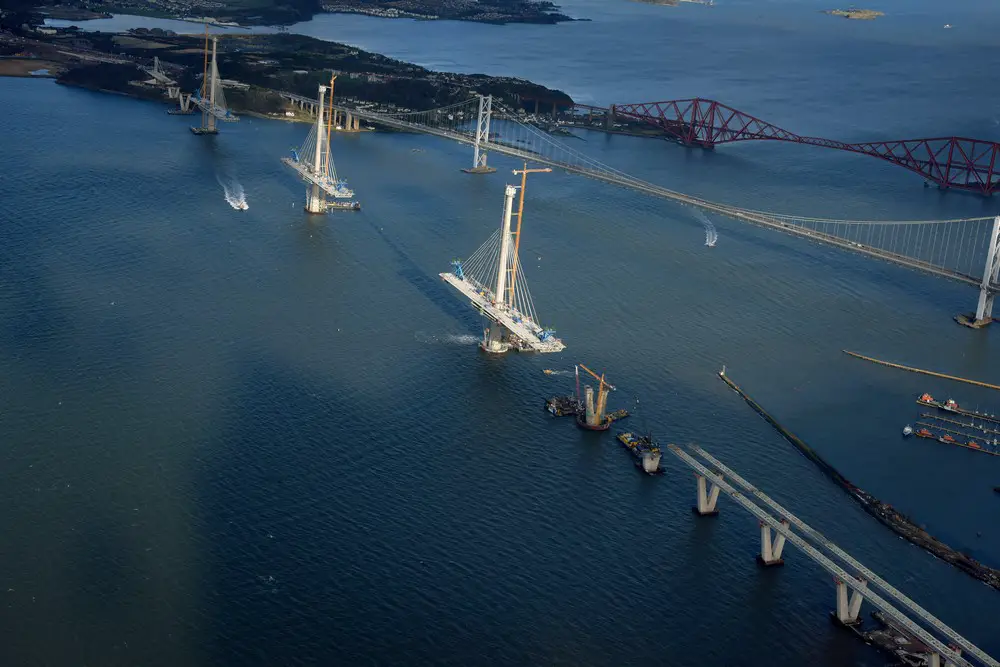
point(951, 162)
point(965, 250)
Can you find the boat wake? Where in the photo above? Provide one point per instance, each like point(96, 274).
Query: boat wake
point(446, 339)
point(233, 192)
point(711, 235)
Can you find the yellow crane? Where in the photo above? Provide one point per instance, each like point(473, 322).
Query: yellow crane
point(602, 395)
point(329, 125)
point(517, 234)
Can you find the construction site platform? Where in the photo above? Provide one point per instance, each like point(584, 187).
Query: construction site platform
point(306, 172)
point(527, 332)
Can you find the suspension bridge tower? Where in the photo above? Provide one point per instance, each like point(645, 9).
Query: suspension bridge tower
point(988, 288)
point(482, 138)
point(312, 161)
point(492, 280)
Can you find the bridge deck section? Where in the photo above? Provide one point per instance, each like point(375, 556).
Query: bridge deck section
point(520, 325)
point(952, 656)
point(869, 575)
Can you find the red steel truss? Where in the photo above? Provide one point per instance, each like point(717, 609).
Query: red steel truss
point(953, 162)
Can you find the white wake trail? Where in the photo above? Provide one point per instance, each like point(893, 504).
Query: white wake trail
point(711, 234)
point(232, 190)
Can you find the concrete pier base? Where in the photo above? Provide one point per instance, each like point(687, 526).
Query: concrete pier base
point(848, 612)
point(707, 498)
point(770, 550)
point(494, 340)
point(970, 320)
point(315, 203)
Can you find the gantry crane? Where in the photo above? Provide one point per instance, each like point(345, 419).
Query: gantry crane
point(593, 417)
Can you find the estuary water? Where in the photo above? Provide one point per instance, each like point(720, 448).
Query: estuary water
point(260, 438)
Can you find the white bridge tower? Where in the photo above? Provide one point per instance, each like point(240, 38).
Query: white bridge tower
point(984, 309)
point(492, 279)
point(482, 140)
point(312, 161)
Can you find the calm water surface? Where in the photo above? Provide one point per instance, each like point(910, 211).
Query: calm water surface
point(262, 438)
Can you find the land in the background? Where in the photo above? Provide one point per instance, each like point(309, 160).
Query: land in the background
point(272, 12)
point(254, 67)
point(859, 14)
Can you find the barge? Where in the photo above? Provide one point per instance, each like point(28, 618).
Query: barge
point(951, 406)
point(645, 452)
point(886, 514)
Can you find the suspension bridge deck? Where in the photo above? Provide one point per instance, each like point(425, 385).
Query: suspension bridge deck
point(528, 333)
point(876, 239)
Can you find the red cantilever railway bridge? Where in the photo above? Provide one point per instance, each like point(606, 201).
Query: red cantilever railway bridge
point(951, 162)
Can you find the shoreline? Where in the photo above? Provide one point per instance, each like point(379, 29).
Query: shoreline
point(545, 14)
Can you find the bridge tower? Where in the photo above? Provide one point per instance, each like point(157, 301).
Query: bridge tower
point(313, 162)
point(315, 201)
point(984, 310)
point(482, 137)
point(493, 280)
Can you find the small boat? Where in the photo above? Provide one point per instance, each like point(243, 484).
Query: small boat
point(907, 430)
point(242, 206)
point(947, 25)
point(548, 371)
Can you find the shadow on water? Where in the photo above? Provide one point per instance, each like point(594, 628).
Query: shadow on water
point(431, 287)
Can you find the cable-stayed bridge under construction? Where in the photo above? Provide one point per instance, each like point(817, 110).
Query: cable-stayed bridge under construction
point(966, 250)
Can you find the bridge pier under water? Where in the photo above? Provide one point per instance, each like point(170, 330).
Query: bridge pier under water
point(930, 640)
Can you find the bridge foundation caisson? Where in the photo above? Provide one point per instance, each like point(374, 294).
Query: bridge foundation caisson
point(708, 497)
point(984, 309)
point(770, 550)
point(479, 165)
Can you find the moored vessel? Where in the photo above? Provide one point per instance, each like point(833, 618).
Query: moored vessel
point(952, 406)
point(644, 450)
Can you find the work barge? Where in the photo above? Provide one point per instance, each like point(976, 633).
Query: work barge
point(589, 413)
point(892, 518)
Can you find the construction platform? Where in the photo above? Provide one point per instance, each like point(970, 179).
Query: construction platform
point(529, 337)
point(568, 406)
point(645, 452)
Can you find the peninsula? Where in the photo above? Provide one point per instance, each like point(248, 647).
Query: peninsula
point(255, 68)
point(283, 12)
point(857, 14)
